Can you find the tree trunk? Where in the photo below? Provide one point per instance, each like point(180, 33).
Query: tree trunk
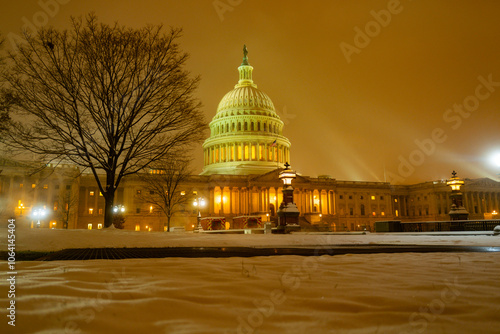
point(109, 198)
point(168, 223)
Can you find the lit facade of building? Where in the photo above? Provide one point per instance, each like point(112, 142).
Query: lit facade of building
point(243, 156)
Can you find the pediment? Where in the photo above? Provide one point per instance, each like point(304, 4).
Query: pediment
point(482, 183)
point(273, 176)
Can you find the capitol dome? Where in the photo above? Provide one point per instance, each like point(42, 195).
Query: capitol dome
point(245, 133)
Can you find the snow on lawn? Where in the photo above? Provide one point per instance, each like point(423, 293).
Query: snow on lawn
point(374, 293)
point(51, 240)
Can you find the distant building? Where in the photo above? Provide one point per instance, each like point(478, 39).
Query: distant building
point(242, 158)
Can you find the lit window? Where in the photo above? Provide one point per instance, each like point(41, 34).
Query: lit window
point(53, 224)
point(397, 213)
point(151, 209)
point(396, 200)
point(99, 226)
point(91, 211)
point(100, 211)
point(137, 227)
point(45, 186)
point(91, 193)
point(20, 185)
point(33, 185)
point(89, 226)
point(382, 213)
point(374, 213)
point(195, 193)
point(373, 198)
point(183, 193)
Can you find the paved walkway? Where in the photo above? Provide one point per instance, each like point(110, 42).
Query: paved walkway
point(198, 252)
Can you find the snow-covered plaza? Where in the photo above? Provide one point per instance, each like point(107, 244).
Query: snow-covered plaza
point(371, 293)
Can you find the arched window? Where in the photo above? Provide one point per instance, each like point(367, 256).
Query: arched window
point(258, 126)
point(246, 126)
point(251, 127)
point(227, 127)
point(239, 126)
point(265, 126)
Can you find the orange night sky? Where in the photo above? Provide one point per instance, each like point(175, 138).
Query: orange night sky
point(403, 91)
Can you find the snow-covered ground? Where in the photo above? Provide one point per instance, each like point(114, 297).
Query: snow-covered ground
point(50, 240)
point(374, 293)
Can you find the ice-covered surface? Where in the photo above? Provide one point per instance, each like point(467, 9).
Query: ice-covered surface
point(373, 293)
point(50, 240)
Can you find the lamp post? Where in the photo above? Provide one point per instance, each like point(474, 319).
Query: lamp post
point(199, 203)
point(457, 211)
point(119, 218)
point(288, 213)
point(39, 213)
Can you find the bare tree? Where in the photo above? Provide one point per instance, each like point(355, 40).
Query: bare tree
point(68, 203)
point(107, 98)
point(162, 185)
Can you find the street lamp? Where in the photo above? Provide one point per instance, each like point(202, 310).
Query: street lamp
point(457, 211)
point(288, 213)
point(39, 213)
point(119, 208)
point(199, 203)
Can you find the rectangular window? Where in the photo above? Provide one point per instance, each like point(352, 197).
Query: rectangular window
point(351, 211)
point(239, 152)
point(254, 153)
point(91, 193)
point(33, 186)
point(100, 211)
point(137, 227)
point(373, 198)
point(151, 209)
point(89, 226)
point(91, 211)
point(20, 185)
point(99, 226)
point(138, 210)
point(45, 186)
point(341, 196)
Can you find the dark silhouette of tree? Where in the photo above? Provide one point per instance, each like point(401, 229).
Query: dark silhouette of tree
point(6, 99)
point(162, 184)
point(107, 98)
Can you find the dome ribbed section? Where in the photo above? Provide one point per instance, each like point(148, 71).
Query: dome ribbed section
point(247, 98)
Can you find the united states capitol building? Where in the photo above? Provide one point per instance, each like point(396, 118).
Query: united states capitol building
point(243, 156)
